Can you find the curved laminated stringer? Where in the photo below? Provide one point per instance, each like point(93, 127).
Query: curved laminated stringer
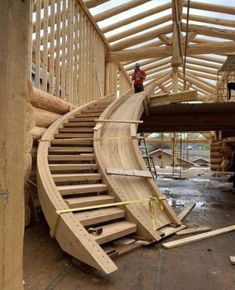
point(67, 228)
point(116, 146)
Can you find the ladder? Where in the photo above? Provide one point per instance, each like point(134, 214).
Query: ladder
point(145, 154)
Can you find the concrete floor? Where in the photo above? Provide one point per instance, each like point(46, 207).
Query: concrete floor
point(203, 265)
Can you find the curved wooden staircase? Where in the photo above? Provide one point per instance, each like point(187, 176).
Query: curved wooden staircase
point(72, 163)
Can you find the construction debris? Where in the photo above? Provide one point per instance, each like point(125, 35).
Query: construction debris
point(199, 237)
point(232, 260)
point(186, 210)
point(193, 230)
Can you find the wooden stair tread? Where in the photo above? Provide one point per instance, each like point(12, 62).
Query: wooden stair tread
point(80, 124)
point(99, 110)
point(85, 115)
point(71, 149)
point(76, 130)
point(89, 200)
point(73, 142)
point(115, 231)
point(81, 188)
point(72, 167)
point(81, 157)
point(83, 119)
point(73, 135)
point(97, 216)
point(76, 177)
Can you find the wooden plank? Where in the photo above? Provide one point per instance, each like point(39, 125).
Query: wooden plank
point(81, 188)
point(73, 135)
point(168, 230)
point(71, 149)
point(94, 217)
point(76, 130)
point(232, 260)
point(14, 31)
point(114, 231)
point(52, 48)
point(89, 200)
point(128, 172)
point(57, 62)
point(199, 237)
point(80, 124)
point(186, 210)
point(74, 158)
point(37, 44)
point(72, 167)
point(119, 121)
point(45, 46)
point(193, 230)
point(76, 177)
point(73, 141)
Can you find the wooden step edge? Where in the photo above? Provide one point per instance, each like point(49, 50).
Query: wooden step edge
point(89, 200)
point(99, 216)
point(76, 177)
point(115, 231)
point(81, 189)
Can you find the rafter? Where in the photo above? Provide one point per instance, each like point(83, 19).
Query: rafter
point(210, 20)
point(193, 49)
point(139, 28)
point(94, 3)
point(211, 7)
point(164, 38)
point(141, 38)
point(210, 31)
point(202, 63)
point(118, 9)
point(137, 17)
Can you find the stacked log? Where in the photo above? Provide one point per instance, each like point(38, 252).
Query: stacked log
point(221, 152)
point(216, 155)
point(43, 109)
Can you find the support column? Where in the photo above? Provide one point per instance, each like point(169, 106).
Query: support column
point(14, 25)
point(111, 78)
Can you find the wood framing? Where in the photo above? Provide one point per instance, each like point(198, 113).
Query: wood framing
point(14, 30)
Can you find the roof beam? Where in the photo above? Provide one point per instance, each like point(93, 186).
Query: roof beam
point(202, 69)
point(141, 38)
point(139, 28)
point(210, 31)
point(118, 9)
point(200, 74)
point(151, 65)
point(198, 83)
point(94, 3)
point(137, 17)
point(151, 52)
point(202, 63)
point(208, 58)
point(210, 20)
point(165, 39)
point(211, 7)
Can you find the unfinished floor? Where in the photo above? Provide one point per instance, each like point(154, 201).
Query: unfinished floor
point(203, 265)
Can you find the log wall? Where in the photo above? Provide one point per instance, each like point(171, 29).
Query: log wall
point(221, 152)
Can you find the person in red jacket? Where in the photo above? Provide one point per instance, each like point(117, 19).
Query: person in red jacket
point(138, 77)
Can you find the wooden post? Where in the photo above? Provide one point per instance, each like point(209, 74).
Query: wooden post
point(14, 25)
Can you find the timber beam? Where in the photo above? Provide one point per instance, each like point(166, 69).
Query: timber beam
point(154, 52)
